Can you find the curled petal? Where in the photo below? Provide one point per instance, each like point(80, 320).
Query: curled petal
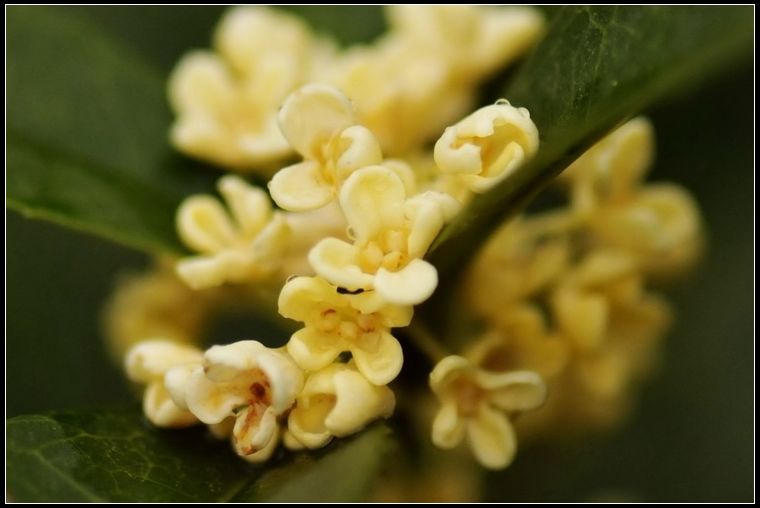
point(312, 115)
point(391, 315)
point(204, 226)
point(149, 360)
point(249, 205)
point(411, 285)
point(312, 349)
point(290, 441)
point(373, 200)
point(448, 426)
point(254, 429)
point(378, 357)
point(224, 363)
point(285, 378)
point(489, 144)
point(307, 424)
point(446, 372)
point(212, 402)
point(301, 187)
point(358, 148)
point(492, 438)
point(162, 411)
point(337, 261)
point(304, 298)
point(176, 380)
point(357, 403)
point(429, 212)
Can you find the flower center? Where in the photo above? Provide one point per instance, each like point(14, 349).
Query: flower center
point(468, 396)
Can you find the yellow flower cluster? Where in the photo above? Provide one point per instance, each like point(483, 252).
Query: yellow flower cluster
point(406, 87)
point(564, 292)
point(341, 231)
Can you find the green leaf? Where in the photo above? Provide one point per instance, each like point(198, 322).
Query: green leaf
point(340, 474)
point(596, 67)
point(87, 127)
point(117, 456)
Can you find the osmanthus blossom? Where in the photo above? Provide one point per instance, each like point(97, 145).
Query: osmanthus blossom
point(335, 402)
point(473, 41)
point(487, 146)
point(226, 101)
point(241, 243)
point(336, 322)
point(477, 404)
point(319, 123)
point(390, 232)
point(148, 362)
point(659, 224)
point(248, 381)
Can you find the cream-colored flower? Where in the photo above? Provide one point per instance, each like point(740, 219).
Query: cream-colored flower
point(613, 168)
point(660, 226)
point(319, 123)
point(473, 41)
point(226, 103)
point(391, 234)
point(251, 382)
point(241, 245)
point(488, 145)
point(306, 230)
point(477, 403)
point(336, 401)
point(148, 363)
point(336, 322)
point(404, 96)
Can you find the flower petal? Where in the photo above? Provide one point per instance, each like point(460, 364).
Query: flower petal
point(162, 411)
point(204, 225)
point(312, 115)
point(149, 360)
point(305, 298)
point(411, 285)
point(446, 372)
point(336, 261)
point(249, 205)
point(212, 402)
point(357, 403)
point(583, 318)
point(224, 363)
point(301, 187)
point(200, 82)
point(285, 378)
point(312, 349)
point(448, 426)
point(372, 199)
point(428, 212)
point(391, 315)
point(175, 382)
point(378, 357)
point(201, 272)
point(492, 438)
point(359, 148)
point(253, 432)
point(513, 391)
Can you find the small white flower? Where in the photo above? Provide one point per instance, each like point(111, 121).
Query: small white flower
point(318, 121)
point(336, 401)
point(148, 363)
point(241, 245)
point(251, 382)
point(391, 234)
point(476, 403)
point(487, 146)
point(336, 322)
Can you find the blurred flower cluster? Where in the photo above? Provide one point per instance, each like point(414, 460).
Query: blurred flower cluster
point(369, 152)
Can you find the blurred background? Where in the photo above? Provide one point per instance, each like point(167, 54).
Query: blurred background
point(691, 438)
